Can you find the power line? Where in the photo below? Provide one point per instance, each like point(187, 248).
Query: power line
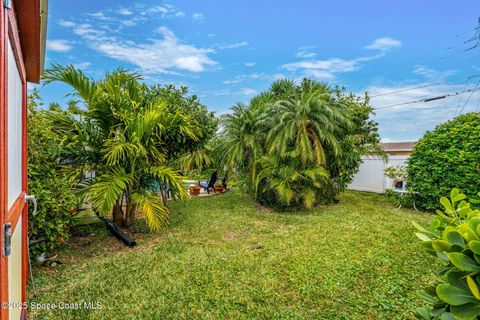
point(460, 98)
point(429, 99)
point(426, 86)
point(476, 37)
point(471, 94)
point(425, 59)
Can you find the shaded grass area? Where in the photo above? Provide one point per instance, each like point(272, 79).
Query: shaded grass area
point(225, 258)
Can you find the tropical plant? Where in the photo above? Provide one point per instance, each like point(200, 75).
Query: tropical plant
point(307, 120)
point(244, 140)
point(285, 182)
point(446, 157)
point(49, 227)
point(177, 99)
point(303, 127)
point(453, 237)
point(117, 148)
point(356, 140)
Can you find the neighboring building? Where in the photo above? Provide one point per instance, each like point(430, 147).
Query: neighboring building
point(371, 176)
point(398, 148)
point(22, 50)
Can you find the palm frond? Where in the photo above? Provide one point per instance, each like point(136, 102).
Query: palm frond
point(107, 189)
point(154, 210)
point(171, 179)
point(84, 86)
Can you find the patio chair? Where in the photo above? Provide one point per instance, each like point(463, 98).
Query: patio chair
point(224, 182)
point(210, 183)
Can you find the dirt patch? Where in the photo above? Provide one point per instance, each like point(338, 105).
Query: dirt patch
point(232, 236)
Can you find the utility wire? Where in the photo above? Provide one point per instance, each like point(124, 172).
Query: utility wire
point(459, 101)
point(427, 85)
point(476, 37)
point(438, 54)
point(429, 99)
point(471, 94)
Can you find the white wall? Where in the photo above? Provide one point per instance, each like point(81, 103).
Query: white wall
point(15, 133)
point(15, 272)
point(371, 175)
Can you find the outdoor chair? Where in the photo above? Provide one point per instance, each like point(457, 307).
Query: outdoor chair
point(210, 183)
point(224, 182)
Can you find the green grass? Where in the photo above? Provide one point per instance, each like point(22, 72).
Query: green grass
point(224, 258)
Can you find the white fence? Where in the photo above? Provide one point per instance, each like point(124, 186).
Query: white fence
point(371, 176)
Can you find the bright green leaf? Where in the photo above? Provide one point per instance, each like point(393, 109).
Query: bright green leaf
point(463, 262)
point(453, 295)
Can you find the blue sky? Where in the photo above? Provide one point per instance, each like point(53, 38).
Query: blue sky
point(227, 51)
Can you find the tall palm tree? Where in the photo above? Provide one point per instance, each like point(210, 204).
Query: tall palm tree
point(116, 147)
point(243, 133)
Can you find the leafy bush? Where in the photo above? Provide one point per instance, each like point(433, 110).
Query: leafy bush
point(396, 172)
point(445, 158)
point(46, 182)
point(405, 200)
point(453, 237)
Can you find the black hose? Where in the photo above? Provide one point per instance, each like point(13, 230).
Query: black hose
point(34, 242)
point(117, 232)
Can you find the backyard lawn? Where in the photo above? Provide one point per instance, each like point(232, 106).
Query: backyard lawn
point(223, 257)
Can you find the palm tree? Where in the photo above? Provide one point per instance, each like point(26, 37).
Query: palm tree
point(291, 182)
point(243, 135)
point(307, 120)
point(115, 148)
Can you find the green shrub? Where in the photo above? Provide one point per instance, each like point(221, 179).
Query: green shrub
point(447, 157)
point(298, 145)
point(47, 183)
point(404, 200)
point(453, 237)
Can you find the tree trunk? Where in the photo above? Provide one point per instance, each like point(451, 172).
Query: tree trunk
point(131, 215)
point(117, 213)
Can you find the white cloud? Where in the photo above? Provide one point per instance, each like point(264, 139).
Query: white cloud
point(322, 69)
point(326, 69)
point(128, 23)
point(115, 18)
point(332, 65)
point(66, 23)
point(59, 45)
point(161, 53)
point(88, 32)
point(198, 16)
point(305, 52)
point(125, 12)
point(233, 45)
point(249, 64)
point(229, 92)
point(248, 91)
point(82, 65)
point(384, 44)
point(257, 76)
point(433, 74)
point(158, 55)
point(211, 35)
point(98, 15)
point(306, 55)
point(157, 9)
